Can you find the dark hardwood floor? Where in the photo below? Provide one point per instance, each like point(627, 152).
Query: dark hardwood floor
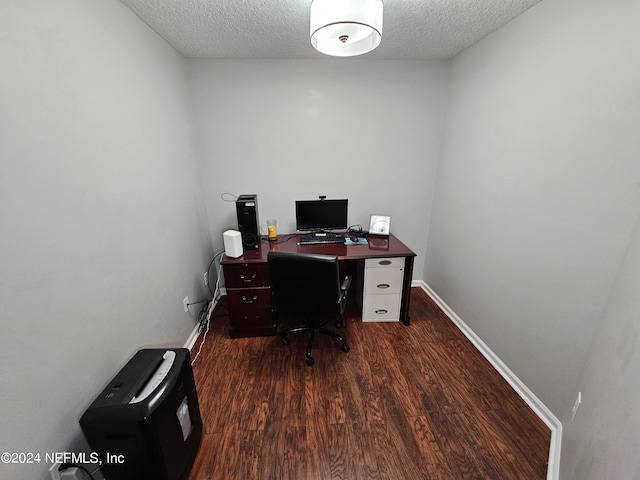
point(417, 402)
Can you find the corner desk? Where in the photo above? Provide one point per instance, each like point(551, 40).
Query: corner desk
point(381, 271)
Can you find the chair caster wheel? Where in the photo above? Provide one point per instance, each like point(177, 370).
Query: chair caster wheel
point(345, 348)
point(284, 340)
point(309, 361)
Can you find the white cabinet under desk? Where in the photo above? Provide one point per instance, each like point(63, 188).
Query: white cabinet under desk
point(382, 289)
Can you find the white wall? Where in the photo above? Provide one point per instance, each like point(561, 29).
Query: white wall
point(291, 129)
point(537, 198)
point(603, 442)
point(103, 230)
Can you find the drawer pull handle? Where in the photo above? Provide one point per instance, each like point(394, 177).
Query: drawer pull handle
point(383, 285)
point(253, 299)
point(384, 262)
point(248, 280)
point(381, 311)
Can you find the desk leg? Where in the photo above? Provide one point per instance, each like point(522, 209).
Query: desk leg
point(406, 290)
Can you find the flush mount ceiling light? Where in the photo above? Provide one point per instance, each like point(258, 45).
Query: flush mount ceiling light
point(344, 28)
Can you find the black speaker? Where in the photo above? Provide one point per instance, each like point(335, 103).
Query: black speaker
point(248, 223)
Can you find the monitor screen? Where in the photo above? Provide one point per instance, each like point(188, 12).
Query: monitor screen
point(313, 215)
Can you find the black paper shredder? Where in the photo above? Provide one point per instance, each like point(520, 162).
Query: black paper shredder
point(146, 423)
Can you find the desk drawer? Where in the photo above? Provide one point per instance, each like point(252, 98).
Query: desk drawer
point(246, 275)
point(391, 262)
point(381, 308)
point(250, 307)
point(383, 280)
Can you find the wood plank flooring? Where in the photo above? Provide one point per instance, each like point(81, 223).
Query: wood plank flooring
point(417, 402)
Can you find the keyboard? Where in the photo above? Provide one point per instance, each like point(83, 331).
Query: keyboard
point(319, 238)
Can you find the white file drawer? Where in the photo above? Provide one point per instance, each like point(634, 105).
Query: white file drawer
point(383, 281)
point(381, 308)
point(392, 262)
point(382, 289)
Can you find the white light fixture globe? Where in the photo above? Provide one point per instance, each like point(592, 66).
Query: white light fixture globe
point(344, 28)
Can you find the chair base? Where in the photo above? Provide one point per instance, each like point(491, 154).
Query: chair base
point(313, 330)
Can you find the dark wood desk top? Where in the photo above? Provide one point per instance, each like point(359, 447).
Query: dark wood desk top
point(379, 246)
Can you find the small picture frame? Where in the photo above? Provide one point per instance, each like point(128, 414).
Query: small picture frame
point(379, 225)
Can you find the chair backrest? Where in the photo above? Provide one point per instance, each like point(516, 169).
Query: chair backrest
point(305, 284)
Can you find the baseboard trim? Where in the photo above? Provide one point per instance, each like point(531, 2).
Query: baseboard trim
point(195, 333)
point(553, 469)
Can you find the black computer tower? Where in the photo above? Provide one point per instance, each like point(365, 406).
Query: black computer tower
point(146, 423)
point(248, 222)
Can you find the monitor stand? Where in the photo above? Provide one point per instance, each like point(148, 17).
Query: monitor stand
point(320, 233)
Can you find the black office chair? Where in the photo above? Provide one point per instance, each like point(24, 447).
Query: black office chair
point(309, 286)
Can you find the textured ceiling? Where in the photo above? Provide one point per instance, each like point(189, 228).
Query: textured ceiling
point(412, 29)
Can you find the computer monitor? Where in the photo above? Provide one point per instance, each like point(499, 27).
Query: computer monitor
point(321, 215)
